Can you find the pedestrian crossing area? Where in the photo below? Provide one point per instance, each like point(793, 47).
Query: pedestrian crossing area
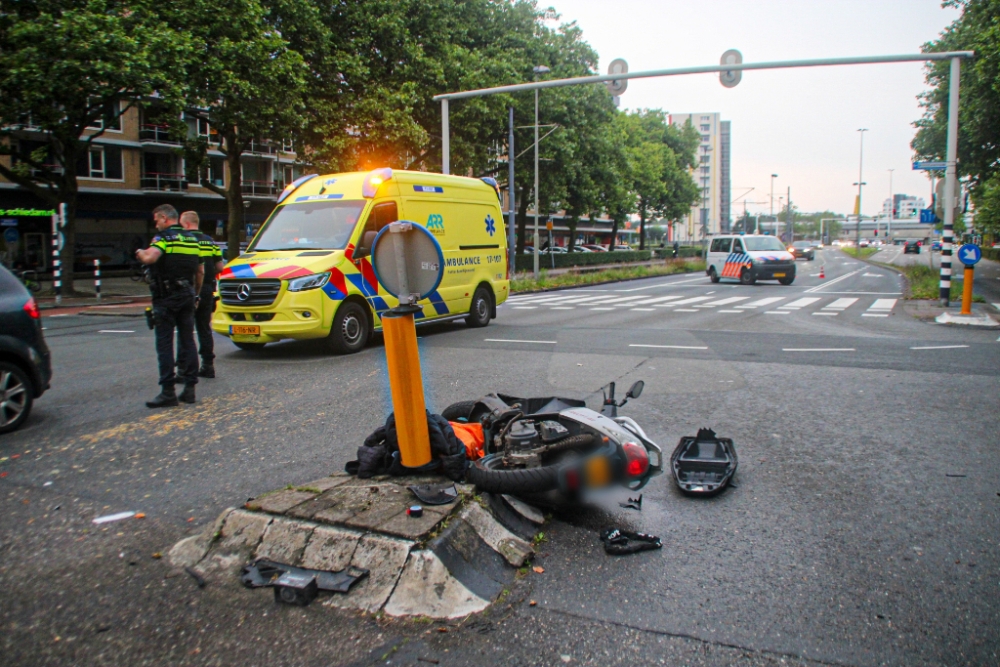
point(820, 306)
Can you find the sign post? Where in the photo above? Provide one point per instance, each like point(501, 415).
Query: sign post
point(58, 221)
point(969, 255)
point(409, 264)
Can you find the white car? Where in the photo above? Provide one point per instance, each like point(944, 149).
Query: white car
point(749, 258)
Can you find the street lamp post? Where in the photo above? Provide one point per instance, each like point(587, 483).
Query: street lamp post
point(888, 224)
point(861, 162)
point(538, 69)
point(773, 176)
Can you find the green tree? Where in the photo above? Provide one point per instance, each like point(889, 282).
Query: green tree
point(68, 69)
point(977, 29)
point(248, 83)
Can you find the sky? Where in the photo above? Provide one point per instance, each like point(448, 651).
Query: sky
point(800, 124)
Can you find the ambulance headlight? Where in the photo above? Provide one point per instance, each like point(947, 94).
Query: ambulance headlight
point(304, 283)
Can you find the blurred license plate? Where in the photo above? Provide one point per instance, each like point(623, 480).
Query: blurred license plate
point(245, 329)
point(779, 275)
point(598, 471)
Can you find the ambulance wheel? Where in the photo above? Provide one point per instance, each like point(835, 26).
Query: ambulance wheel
point(349, 332)
point(787, 281)
point(479, 309)
point(250, 347)
point(713, 276)
point(747, 277)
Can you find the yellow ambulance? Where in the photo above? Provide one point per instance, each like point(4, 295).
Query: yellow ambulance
point(308, 273)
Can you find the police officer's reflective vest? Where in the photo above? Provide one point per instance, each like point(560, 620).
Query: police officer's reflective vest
point(181, 255)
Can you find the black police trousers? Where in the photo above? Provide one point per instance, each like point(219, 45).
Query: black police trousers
point(203, 325)
point(176, 311)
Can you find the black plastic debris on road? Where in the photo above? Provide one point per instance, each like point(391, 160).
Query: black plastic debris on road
point(704, 465)
point(618, 542)
point(298, 585)
point(633, 503)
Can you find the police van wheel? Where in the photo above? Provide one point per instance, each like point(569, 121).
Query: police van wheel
point(349, 332)
point(713, 276)
point(250, 347)
point(787, 280)
point(479, 309)
point(747, 277)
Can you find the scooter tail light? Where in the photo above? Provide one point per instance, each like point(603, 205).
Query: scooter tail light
point(636, 459)
point(572, 480)
point(32, 309)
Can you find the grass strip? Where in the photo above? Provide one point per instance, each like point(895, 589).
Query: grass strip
point(526, 283)
point(925, 283)
point(864, 252)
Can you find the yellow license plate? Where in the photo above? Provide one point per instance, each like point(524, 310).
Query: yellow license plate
point(779, 275)
point(598, 472)
point(244, 329)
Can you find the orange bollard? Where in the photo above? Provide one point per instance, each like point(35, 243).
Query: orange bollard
point(967, 291)
point(407, 386)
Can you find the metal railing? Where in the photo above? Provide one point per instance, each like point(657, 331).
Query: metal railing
point(157, 134)
point(259, 188)
point(163, 182)
point(262, 147)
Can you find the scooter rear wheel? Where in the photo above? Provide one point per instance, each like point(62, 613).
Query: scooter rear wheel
point(489, 475)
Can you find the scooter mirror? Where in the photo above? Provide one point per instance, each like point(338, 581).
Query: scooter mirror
point(635, 390)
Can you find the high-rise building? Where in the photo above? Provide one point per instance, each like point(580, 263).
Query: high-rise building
point(710, 215)
point(904, 206)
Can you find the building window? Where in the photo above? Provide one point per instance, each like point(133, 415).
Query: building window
point(706, 128)
point(287, 146)
point(705, 158)
point(112, 110)
point(706, 117)
point(101, 162)
point(705, 170)
point(705, 138)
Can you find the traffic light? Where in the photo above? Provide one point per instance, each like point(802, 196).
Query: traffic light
point(876, 232)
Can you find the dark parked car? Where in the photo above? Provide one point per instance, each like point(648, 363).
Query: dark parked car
point(25, 367)
point(801, 249)
point(912, 246)
point(936, 245)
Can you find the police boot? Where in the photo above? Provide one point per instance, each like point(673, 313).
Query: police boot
point(166, 399)
point(187, 396)
point(207, 370)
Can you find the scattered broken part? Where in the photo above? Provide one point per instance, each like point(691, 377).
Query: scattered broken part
point(435, 494)
point(263, 572)
point(618, 542)
point(633, 503)
point(298, 588)
point(200, 580)
point(704, 465)
point(415, 511)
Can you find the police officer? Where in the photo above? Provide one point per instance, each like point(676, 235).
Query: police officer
point(177, 274)
point(211, 256)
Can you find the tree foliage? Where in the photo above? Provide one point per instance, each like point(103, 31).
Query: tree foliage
point(977, 29)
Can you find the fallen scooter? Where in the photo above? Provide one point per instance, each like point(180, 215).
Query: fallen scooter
point(557, 445)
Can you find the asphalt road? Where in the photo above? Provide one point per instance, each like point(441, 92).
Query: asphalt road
point(986, 276)
point(861, 531)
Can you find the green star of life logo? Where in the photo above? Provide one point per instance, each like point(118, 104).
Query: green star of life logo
point(435, 223)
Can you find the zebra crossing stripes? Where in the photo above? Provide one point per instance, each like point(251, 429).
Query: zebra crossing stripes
point(722, 302)
point(836, 308)
point(880, 308)
point(685, 302)
point(799, 303)
point(762, 302)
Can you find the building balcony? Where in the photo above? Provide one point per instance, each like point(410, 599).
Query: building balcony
point(259, 188)
point(163, 182)
point(262, 147)
point(157, 134)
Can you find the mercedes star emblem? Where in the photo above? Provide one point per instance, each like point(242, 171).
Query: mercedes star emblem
point(243, 292)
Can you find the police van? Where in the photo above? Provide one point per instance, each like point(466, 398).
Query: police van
point(308, 274)
point(749, 258)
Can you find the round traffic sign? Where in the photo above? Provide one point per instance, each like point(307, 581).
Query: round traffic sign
point(730, 78)
point(969, 254)
point(408, 261)
point(618, 86)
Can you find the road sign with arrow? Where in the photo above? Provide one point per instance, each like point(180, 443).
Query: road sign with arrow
point(969, 254)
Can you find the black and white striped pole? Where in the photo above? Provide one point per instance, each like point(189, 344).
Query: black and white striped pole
point(57, 222)
point(97, 279)
point(950, 182)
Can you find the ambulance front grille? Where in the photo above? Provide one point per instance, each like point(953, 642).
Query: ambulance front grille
point(250, 292)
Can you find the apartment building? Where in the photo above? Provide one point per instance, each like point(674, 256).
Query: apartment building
point(710, 215)
point(131, 168)
point(903, 207)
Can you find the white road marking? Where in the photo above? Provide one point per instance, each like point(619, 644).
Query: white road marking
point(799, 303)
point(602, 308)
point(658, 299)
point(840, 304)
point(777, 312)
point(514, 340)
point(762, 302)
point(67, 314)
point(724, 302)
point(817, 288)
point(116, 331)
point(643, 310)
point(995, 305)
point(562, 308)
point(827, 314)
point(883, 304)
point(874, 314)
point(675, 282)
point(873, 275)
point(939, 347)
point(672, 347)
point(818, 349)
point(729, 311)
point(524, 307)
point(691, 300)
point(684, 310)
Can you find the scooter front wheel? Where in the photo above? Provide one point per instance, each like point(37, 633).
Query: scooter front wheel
point(489, 475)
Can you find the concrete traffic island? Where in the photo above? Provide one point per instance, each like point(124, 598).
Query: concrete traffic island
point(452, 561)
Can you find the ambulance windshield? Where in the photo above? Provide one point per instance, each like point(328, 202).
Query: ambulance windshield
point(315, 225)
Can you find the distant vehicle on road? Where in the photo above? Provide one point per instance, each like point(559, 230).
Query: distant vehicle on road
point(580, 248)
point(863, 243)
point(25, 364)
point(936, 245)
point(593, 247)
point(802, 249)
point(621, 248)
point(912, 245)
point(750, 258)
